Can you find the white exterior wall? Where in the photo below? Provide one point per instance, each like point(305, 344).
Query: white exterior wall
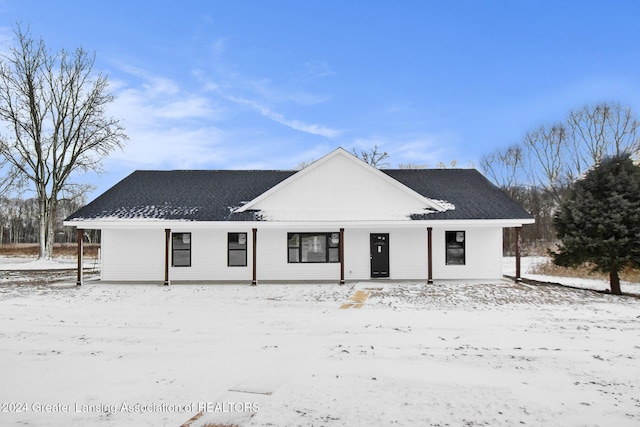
point(483, 254)
point(138, 255)
point(209, 257)
point(357, 261)
point(407, 253)
point(272, 258)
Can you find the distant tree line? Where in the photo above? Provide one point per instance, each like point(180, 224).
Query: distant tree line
point(19, 221)
point(540, 170)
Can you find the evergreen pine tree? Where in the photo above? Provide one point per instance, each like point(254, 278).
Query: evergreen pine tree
point(599, 223)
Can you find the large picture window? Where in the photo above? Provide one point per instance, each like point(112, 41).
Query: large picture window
point(313, 247)
point(455, 247)
point(181, 250)
point(237, 249)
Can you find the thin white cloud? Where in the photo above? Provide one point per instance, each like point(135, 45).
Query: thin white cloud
point(265, 89)
point(159, 98)
point(171, 127)
point(168, 127)
point(225, 81)
point(219, 46)
point(298, 125)
point(316, 70)
point(424, 149)
point(172, 148)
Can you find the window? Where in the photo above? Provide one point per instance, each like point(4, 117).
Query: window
point(313, 247)
point(181, 250)
point(237, 249)
point(455, 247)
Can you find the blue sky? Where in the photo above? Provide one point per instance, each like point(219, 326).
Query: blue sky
point(271, 84)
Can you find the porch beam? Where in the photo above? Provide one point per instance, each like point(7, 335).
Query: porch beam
point(80, 256)
point(254, 279)
point(429, 255)
point(167, 242)
point(341, 249)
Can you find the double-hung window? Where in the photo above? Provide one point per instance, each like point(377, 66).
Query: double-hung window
point(313, 247)
point(181, 250)
point(237, 249)
point(454, 241)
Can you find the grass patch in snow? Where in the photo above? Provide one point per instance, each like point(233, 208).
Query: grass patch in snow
point(60, 250)
point(546, 267)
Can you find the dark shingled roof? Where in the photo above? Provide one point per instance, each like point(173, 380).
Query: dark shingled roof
point(192, 195)
point(200, 195)
point(473, 195)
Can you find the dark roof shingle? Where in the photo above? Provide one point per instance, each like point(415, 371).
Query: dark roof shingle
point(192, 195)
point(473, 195)
point(211, 195)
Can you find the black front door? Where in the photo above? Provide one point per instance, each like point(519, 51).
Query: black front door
point(379, 255)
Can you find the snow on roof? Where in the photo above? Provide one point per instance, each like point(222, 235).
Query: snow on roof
point(214, 195)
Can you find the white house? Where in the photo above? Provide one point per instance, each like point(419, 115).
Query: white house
point(339, 219)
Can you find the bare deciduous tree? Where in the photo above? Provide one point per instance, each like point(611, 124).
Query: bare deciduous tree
point(53, 107)
point(442, 165)
point(605, 129)
point(303, 164)
point(538, 171)
point(412, 166)
point(503, 167)
point(373, 156)
point(546, 149)
point(561, 154)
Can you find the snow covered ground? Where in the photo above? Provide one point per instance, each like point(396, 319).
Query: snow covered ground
point(528, 263)
point(27, 263)
point(498, 354)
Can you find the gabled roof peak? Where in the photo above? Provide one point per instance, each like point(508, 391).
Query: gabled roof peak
point(342, 186)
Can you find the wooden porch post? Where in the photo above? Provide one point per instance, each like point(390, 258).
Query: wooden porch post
point(429, 255)
point(167, 242)
point(80, 255)
point(254, 280)
point(341, 249)
point(518, 238)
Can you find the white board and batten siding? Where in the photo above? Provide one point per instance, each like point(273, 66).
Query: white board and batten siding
point(209, 257)
point(483, 254)
point(349, 190)
point(407, 253)
point(407, 257)
point(273, 264)
point(132, 255)
point(138, 255)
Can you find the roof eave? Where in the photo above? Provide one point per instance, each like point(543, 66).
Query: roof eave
point(98, 224)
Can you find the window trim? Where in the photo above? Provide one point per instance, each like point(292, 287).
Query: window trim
point(229, 249)
point(174, 250)
point(459, 245)
point(332, 243)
